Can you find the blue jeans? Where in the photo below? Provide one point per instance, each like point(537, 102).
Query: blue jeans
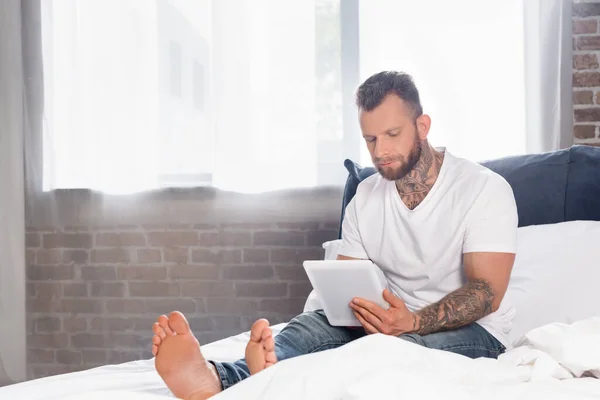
point(310, 332)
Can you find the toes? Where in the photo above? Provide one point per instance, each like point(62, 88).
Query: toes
point(154, 350)
point(269, 344)
point(163, 321)
point(158, 331)
point(270, 357)
point(178, 323)
point(156, 340)
point(258, 329)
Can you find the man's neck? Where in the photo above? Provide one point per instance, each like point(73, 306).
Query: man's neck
point(413, 187)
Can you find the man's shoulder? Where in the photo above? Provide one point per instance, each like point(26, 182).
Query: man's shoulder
point(370, 186)
point(470, 173)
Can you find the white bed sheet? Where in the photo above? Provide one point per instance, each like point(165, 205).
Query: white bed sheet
point(556, 361)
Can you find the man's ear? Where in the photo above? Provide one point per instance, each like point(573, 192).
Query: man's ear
point(423, 125)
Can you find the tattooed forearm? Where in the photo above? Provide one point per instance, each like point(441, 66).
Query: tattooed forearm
point(461, 307)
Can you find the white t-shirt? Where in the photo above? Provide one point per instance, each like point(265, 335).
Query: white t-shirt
point(469, 209)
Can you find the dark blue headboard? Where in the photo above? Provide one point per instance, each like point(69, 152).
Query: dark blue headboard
point(558, 186)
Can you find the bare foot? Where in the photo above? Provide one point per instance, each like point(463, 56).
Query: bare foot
point(179, 361)
point(260, 350)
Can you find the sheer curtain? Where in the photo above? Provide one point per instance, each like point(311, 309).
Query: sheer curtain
point(246, 95)
point(13, 111)
point(494, 75)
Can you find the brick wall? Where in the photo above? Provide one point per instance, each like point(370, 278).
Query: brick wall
point(586, 73)
point(95, 290)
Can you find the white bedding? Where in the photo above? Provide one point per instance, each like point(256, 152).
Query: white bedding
point(556, 361)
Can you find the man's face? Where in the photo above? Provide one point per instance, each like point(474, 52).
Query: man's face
point(392, 137)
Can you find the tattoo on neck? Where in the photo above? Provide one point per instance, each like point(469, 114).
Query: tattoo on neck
point(461, 307)
point(417, 183)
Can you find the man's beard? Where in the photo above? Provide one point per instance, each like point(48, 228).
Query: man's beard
point(406, 165)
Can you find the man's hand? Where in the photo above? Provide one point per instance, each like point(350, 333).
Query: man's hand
point(394, 321)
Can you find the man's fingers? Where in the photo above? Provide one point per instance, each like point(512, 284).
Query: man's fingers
point(392, 299)
point(370, 329)
point(367, 316)
point(369, 306)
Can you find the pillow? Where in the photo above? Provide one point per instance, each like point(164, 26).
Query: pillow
point(555, 276)
point(331, 251)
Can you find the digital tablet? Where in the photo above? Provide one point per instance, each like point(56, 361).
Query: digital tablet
point(337, 282)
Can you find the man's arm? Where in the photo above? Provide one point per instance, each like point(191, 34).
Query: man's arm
point(487, 280)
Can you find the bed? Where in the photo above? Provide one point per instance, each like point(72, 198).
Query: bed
point(556, 333)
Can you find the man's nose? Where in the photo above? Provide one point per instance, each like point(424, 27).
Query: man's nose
point(381, 148)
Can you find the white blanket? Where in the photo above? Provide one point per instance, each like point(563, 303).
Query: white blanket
point(553, 362)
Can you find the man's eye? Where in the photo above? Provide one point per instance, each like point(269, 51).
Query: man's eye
point(370, 139)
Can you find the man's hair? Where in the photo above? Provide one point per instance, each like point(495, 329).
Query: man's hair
point(371, 92)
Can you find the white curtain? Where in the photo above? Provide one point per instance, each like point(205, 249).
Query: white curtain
point(12, 203)
point(494, 75)
point(246, 95)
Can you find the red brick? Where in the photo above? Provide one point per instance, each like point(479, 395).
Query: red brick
point(165, 306)
point(153, 289)
point(68, 357)
point(303, 226)
point(108, 289)
point(585, 61)
point(74, 324)
point(295, 256)
point(583, 97)
point(288, 238)
point(199, 324)
point(247, 272)
point(116, 357)
point(79, 306)
point(94, 356)
point(30, 257)
point(247, 226)
point(74, 289)
point(75, 256)
point(583, 26)
point(47, 324)
point(89, 341)
point(49, 257)
point(149, 256)
point(179, 255)
point(227, 322)
point(33, 240)
point(115, 255)
point(48, 290)
point(128, 340)
point(317, 238)
point(207, 256)
point(201, 272)
point(261, 289)
point(207, 289)
point(30, 289)
point(586, 79)
point(106, 324)
point(40, 356)
point(48, 341)
point(139, 273)
point(583, 10)
point(67, 240)
point(50, 272)
point(98, 273)
point(291, 273)
point(44, 305)
point(584, 131)
point(128, 306)
point(226, 239)
point(597, 98)
point(231, 306)
point(172, 239)
point(283, 306)
point(588, 43)
point(123, 239)
point(256, 256)
point(591, 114)
point(300, 289)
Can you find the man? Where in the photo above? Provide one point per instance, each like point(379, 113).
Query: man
point(442, 229)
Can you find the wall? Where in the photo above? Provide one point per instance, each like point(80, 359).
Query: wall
point(586, 73)
point(101, 270)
